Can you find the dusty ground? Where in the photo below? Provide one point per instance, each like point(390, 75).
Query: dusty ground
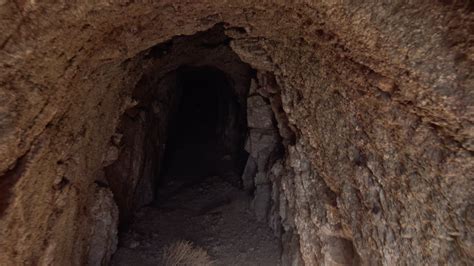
point(212, 214)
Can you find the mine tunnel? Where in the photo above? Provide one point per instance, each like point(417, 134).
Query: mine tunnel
point(189, 148)
point(236, 133)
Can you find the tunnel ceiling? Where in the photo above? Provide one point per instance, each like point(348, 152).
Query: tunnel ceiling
point(378, 95)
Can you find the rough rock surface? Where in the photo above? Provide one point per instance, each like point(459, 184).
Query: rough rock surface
point(134, 159)
point(378, 96)
point(103, 236)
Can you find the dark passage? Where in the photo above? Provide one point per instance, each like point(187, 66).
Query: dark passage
point(198, 199)
point(207, 132)
point(183, 145)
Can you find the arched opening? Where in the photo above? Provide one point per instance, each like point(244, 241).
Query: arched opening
point(187, 139)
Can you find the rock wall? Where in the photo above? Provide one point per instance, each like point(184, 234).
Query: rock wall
point(377, 95)
point(134, 157)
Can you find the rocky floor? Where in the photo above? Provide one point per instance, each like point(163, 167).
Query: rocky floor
point(212, 214)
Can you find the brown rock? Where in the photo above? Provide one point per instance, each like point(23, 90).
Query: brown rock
point(396, 173)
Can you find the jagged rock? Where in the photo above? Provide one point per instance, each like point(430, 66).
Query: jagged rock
point(111, 155)
point(261, 178)
point(103, 234)
point(249, 173)
point(261, 143)
point(261, 201)
point(259, 113)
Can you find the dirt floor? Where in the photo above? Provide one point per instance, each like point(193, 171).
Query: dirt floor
point(212, 214)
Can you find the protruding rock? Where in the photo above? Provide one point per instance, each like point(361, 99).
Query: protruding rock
point(259, 113)
point(103, 235)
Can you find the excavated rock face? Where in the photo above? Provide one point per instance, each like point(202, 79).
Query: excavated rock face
point(365, 157)
point(135, 155)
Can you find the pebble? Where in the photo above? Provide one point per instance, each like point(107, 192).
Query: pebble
point(134, 244)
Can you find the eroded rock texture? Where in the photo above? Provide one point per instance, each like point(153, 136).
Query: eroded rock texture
point(135, 155)
point(372, 103)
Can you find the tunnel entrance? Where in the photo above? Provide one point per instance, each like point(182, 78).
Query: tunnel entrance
point(180, 153)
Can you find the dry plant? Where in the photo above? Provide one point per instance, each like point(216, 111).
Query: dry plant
point(184, 253)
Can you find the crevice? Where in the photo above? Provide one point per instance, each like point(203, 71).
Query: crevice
point(9, 179)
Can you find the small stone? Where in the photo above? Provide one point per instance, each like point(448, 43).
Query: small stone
point(134, 244)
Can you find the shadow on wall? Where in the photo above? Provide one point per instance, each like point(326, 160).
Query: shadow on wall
point(137, 147)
